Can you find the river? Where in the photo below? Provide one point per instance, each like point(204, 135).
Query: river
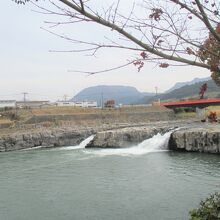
point(74, 183)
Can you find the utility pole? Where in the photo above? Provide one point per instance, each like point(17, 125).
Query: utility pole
point(65, 97)
point(102, 100)
point(156, 90)
point(24, 98)
point(24, 94)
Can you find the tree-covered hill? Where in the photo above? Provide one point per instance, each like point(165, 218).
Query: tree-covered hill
point(186, 92)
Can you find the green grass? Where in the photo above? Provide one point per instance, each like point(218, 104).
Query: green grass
point(185, 115)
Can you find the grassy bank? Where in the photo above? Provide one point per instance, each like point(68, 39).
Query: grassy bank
point(28, 119)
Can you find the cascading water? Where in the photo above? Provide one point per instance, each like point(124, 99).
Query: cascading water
point(157, 143)
point(81, 145)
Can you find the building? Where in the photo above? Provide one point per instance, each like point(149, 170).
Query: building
point(86, 104)
point(7, 103)
point(32, 104)
point(65, 103)
point(110, 104)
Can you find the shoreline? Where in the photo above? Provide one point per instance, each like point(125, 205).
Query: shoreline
point(192, 136)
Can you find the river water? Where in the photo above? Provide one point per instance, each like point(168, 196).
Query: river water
point(74, 183)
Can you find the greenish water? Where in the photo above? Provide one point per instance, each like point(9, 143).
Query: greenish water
point(79, 184)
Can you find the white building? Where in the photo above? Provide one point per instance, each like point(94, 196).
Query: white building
point(32, 104)
point(7, 103)
point(84, 104)
point(65, 103)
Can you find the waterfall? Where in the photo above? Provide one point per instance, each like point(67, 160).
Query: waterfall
point(157, 143)
point(81, 145)
point(86, 141)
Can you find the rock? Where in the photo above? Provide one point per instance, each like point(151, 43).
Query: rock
point(56, 138)
point(125, 137)
point(196, 140)
point(195, 137)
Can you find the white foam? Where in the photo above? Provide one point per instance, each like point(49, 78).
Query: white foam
point(81, 145)
point(31, 148)
point(157, 143)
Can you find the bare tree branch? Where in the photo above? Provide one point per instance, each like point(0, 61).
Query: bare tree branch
point(175, 31)
point(206, 21)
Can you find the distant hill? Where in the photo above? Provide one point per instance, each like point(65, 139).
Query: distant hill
point(185, 92)
point(181, 84)
point(121, 94)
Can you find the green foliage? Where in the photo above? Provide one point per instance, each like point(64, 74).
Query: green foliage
point(209, 209)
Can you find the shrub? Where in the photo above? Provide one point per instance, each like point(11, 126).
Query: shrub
point(212, 117)
point(209, 209)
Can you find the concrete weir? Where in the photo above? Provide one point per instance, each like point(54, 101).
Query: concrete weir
point(183, 136)
point(126, 137)
point(189, 137)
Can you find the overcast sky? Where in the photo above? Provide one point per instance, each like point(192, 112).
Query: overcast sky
point(28, 66)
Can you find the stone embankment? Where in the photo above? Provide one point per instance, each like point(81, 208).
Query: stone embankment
point(115, 135)
point(43, 138)
point(191, 136)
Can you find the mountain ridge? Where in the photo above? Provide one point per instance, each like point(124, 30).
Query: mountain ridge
point(130, 95)
point(181, 84)
point(186, 92)
point(121, 94)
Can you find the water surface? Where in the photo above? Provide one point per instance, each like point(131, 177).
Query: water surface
point(80, 184)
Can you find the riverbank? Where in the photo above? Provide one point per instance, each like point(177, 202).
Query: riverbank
point(190, 136)
point(106, 135)
point(112, 128)
point(186, 135)
point(62, 126)
point(200, 137)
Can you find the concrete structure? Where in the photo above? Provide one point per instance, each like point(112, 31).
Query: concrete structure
point(7, 103)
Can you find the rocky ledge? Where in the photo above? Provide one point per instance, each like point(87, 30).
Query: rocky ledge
point(191, 136)
point(205, 138)
point(126, 137)
point(113, 135)
point(43, 138)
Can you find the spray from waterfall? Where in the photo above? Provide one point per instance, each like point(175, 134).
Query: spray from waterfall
point(82, 144)
point(157, 143)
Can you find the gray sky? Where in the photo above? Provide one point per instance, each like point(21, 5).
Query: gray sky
point(28, 66)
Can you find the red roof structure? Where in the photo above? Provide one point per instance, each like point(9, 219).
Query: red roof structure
point(200, 103)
